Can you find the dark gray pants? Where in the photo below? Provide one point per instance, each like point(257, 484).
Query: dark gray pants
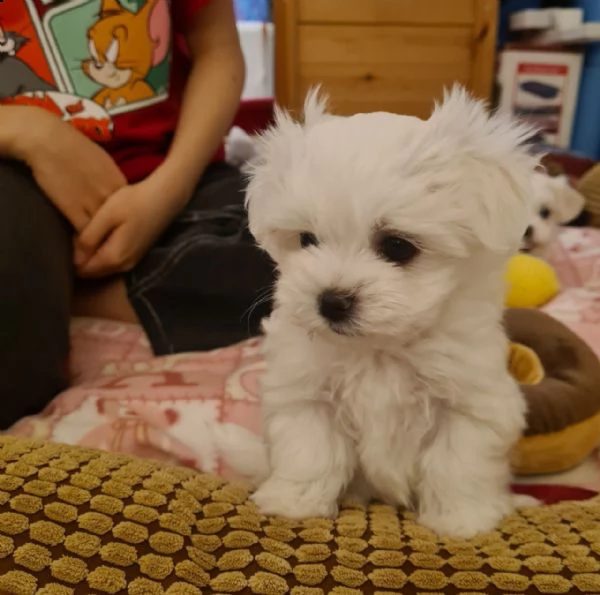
point(194, 290)
point(35, 296)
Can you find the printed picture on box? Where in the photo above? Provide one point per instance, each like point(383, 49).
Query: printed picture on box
point(538, 96)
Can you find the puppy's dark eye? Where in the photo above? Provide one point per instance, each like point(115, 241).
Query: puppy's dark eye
point(545, 212)
point(397, 249)
point(308, 239)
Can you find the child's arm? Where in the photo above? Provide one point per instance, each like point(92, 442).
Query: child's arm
point(74, 173)
point(210, 102)
point(134, 217)
point(11, 129)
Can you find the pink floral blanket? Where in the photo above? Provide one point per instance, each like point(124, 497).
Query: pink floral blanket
point(167, 408)
point(576, 260)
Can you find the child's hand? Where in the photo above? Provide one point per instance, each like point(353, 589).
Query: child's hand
point(74, 172)
point(122, 231)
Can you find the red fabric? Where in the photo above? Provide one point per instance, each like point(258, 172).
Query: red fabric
point(255, 115)
point(573, 165)
point(551, 494)
point(183, 12)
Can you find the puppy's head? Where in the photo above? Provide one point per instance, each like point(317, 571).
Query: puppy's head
point(375, 220)
point(554, 202)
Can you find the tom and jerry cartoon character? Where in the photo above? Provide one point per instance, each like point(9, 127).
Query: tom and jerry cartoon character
point(124, 46)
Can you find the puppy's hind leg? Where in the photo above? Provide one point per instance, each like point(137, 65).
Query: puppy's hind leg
point(311, 462)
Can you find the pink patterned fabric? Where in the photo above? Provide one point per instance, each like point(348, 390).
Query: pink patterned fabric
point(576, 260)
point(96, 346)
point(164, 408)
point(167, 408)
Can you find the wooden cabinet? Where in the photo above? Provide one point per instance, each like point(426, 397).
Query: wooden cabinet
point(392, 55)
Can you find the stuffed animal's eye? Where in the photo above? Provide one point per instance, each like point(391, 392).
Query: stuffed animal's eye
point(308, 239)
point(397, 249)
point(545, 212)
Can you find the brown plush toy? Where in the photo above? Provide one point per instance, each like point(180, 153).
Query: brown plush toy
point(589, 186)
point(560, 377)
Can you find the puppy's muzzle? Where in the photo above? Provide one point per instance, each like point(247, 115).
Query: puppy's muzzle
point(336, 306)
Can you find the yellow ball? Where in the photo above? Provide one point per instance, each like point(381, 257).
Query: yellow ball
point(531, 282)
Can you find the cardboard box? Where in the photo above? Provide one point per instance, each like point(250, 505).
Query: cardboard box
point(540, 87)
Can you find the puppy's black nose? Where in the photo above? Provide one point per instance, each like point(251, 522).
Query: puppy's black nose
point(528, 232)
point(336, 306)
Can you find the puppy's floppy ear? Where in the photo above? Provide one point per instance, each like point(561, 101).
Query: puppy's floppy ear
point(497, 167)
point(567, 203)
point(265, 172)
point(268, 190)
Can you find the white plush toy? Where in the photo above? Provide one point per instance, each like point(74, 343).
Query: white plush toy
point(239, 147)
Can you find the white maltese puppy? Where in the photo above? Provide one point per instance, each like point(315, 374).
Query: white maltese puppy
point(554, 202)
point(386, 357)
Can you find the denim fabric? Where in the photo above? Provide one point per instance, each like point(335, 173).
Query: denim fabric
point(204, 284)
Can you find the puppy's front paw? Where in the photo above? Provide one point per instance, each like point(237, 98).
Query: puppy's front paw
point(294, 500)
point(466, 521)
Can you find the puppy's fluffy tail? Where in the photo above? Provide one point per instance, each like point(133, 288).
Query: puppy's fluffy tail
point(243, 452)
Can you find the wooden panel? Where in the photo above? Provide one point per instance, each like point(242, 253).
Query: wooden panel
point(382, 86)
point(368, 61)
point(444, 12)
point(409, 46)
point(399, 69)
point(484, 48)
point(286, 59)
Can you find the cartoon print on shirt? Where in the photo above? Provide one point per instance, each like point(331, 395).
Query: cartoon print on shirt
point(83, 114)
point(10, 43)
point(16, 76)
point(124, 46)
point(86, 61)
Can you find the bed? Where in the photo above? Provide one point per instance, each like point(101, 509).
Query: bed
point(166, 408)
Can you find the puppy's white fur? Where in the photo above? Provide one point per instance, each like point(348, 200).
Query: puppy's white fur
point(415, 404)
point(554, 202)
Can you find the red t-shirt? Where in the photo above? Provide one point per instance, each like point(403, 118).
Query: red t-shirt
point(115, 69)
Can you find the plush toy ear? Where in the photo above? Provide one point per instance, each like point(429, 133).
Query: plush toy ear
point(490, 149)
point(567, 203)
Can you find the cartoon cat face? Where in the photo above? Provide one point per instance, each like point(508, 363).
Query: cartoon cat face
point(10, 43)
point(120, 45)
